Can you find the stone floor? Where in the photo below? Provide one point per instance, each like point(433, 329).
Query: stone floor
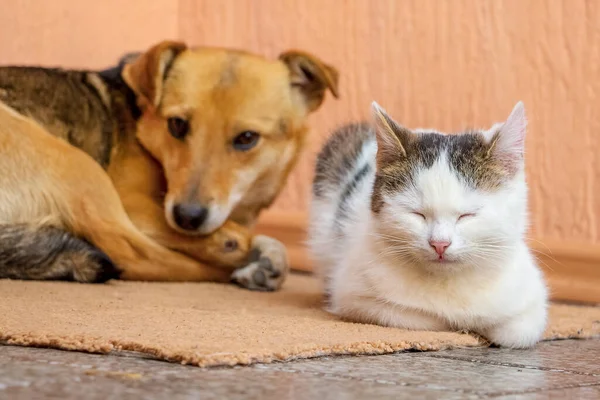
point(554, 370)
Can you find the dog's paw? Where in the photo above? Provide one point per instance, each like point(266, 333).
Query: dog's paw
point(268, 266)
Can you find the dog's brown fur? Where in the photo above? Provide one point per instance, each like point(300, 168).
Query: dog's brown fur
point(90, 168)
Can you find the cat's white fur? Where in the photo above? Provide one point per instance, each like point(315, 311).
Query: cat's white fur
point(494, 286)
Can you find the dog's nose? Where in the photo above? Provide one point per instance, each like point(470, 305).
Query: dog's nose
point(189, 216)
point(439, 246)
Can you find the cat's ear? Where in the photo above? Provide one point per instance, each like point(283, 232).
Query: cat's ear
point(507, 140)
point(392, 138)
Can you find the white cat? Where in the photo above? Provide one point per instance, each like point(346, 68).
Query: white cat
point(426, 231)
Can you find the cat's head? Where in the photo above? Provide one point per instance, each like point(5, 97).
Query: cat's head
point(449, 201)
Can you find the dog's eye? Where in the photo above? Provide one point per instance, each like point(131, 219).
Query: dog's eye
point(178, 127)
point(245, 140)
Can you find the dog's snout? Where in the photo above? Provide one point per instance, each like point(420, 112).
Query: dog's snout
point(189, 216)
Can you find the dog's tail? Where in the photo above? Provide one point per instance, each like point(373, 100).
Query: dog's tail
point(43, 252)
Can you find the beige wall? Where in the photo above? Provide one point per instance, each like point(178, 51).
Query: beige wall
point(432, 63)
point(82, 33)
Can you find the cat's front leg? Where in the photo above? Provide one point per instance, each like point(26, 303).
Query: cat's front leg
point(522, 331)
point(386, 314)
point(414, 320)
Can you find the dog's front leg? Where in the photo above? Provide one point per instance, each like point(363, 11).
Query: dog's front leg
point(257, 262)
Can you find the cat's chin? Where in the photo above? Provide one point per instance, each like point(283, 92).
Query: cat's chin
point(443, 265)
point(434, 260)
point(443, 261)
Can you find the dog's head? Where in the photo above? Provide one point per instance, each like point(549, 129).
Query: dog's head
point(227, 126)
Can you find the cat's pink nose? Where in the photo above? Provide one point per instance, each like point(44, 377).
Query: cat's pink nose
point(439, 246)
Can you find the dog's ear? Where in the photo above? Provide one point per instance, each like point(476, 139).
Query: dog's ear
point(145, 74)
point(311, 76)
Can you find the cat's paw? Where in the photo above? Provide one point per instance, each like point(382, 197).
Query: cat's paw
point(521, 332)
point(268, 266)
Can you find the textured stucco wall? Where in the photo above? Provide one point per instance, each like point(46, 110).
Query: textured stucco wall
point(81, 33)
point(431, 63)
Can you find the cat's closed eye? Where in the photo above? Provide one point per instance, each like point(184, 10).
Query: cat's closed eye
point(418, 214)
point(465, 216)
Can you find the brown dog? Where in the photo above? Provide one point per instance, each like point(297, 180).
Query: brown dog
point(159, 167)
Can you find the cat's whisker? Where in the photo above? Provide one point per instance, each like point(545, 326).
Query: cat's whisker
point(540, 242)
point(546, 265)
point(394, 253)
point(550, 256)
point(386, 254)
point(386, 237)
